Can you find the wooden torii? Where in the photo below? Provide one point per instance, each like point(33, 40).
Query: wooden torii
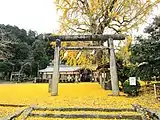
point(107, 37)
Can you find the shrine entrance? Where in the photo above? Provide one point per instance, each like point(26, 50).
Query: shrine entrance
point(103, 38)
point(85, 75)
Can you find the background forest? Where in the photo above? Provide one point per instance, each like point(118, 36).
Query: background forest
point(22, 51)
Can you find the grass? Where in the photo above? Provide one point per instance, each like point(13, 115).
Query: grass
point(70, 95)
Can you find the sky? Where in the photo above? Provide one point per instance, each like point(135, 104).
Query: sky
point(38, 15)
point(140, 29)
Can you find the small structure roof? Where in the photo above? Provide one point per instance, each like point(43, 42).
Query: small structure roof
point(63, 68)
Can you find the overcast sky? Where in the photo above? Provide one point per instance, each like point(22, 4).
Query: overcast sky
point(38, 15)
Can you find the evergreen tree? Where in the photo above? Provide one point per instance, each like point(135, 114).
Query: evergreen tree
point(146, 52)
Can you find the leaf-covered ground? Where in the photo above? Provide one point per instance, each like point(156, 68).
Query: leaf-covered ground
point(70, 95)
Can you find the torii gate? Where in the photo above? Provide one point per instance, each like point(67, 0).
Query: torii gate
point(107, 37)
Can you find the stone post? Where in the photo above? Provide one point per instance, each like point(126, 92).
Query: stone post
point(113, 69)
point(55, 79)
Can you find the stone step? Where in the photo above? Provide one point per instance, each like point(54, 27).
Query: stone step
point(106, 116)
point(84, 109)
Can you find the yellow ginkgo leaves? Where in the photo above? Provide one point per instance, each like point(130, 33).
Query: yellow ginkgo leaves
point(70, 95)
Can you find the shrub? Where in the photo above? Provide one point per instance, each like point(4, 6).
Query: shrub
point(131, 90)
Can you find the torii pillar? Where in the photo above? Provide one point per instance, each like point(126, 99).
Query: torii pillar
point(113, 69)
point(55, 81)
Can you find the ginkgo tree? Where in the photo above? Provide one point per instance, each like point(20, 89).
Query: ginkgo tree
point(94, 16)
point(99, 16)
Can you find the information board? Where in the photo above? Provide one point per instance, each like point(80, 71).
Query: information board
point(132, 80)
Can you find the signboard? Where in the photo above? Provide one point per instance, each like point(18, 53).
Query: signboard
point(132, 80)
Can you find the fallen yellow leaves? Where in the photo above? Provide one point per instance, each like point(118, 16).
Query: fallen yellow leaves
point(4, 111)
point(70, 95)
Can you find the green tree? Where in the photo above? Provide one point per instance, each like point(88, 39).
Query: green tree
point(31, 36)
point(16, 48)
point(6, 68)
point(39, 54)
point(146, 52)
point(5, 43)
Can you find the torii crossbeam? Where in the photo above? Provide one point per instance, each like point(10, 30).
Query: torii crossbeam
point(96, 37)
point(84, 48)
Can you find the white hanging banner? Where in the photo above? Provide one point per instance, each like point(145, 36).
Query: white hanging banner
point(79, 54)
point(65, 54)
point(132, 80)
point(93, 52)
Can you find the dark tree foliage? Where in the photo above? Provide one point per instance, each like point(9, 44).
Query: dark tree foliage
point(40, 58)
point(21, 51)
point(146, 52)
point(27, 53)
point(124, 71)
point(6, 66)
